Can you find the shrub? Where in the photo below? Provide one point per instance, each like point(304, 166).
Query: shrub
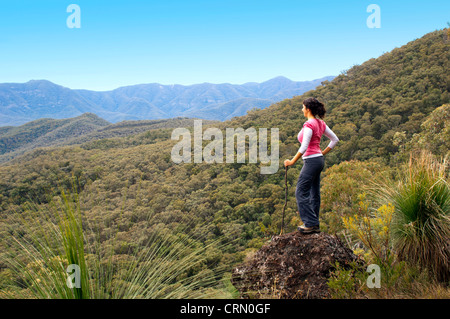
point(341, 186)
point(421, 222)
point(372, 229)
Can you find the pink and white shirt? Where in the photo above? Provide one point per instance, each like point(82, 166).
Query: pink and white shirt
point(310, 136)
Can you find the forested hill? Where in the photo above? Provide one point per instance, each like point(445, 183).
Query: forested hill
point(370, 102)
point(47, 132)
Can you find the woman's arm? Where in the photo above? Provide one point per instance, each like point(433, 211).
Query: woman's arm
point(293, 161)
point(307, 135)
point(333, 140)
point(325, 151)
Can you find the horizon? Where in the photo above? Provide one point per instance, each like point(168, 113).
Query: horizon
point(125, 44)
point(163, 84)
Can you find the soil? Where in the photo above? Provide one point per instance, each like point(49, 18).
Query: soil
point(291, 266)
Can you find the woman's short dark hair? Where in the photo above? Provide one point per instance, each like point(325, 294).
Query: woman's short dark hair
point(317, 108)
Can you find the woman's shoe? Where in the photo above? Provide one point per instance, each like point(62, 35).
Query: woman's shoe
point(308, 230)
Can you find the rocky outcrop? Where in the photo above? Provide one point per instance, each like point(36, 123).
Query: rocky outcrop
point(292, 266)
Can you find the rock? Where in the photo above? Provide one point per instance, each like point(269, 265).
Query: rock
point(292, 266)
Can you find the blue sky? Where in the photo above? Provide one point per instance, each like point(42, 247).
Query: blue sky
point(185, 42)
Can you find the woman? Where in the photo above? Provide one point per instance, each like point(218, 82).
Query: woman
point(308, 185)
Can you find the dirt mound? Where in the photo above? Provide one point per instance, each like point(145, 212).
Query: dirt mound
point(291, 266)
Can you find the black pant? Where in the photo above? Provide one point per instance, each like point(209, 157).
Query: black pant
point(308, 190)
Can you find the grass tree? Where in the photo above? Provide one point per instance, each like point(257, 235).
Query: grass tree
point(421, 221)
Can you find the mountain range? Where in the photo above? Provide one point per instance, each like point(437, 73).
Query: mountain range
point(24, 102)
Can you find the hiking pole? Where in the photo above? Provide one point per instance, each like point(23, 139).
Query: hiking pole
point(285, 197)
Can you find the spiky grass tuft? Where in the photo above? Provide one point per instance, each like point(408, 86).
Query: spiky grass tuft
point(421, 222)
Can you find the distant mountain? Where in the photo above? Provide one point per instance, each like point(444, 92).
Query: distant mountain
point(24, 102)
point(228, 110)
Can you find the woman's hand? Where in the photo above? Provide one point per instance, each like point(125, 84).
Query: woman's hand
point(293, 161)
point(288, 163)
